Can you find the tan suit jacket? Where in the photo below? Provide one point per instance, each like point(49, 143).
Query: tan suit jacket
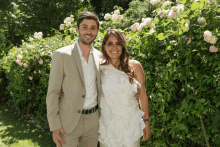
point(67, 73)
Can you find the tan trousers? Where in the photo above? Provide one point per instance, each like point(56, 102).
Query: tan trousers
point(86, 132)
point(136, 144)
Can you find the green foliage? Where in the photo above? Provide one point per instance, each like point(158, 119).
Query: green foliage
point(182, 74)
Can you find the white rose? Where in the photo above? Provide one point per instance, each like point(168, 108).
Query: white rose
point(116, 12)
point(135, 26)
point(19, 58)
point(114, 17)
point(213, 40)
point(35, 35)
point(71, 30)
point(152, 25)
point(31, 39)
point(146, 21)
point(201, 20)
point(107, 16)
point(120, 17)
point(30, 78)
point(62, 26)
point(141, 26)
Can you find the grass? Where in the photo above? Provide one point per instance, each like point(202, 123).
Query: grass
point(16, 131)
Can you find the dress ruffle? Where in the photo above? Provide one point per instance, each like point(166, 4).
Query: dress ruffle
point(120, 124)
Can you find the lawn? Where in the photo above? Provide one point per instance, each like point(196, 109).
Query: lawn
point(16, 131)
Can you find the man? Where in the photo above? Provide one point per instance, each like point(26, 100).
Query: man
point(75, 69)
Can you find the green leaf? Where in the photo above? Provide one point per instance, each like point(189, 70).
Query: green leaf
point(181, 115)
point(161, 36)
point(184, 104)
point(218, 10)
point(195, 6)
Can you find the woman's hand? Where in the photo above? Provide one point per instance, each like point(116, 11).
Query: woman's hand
point(146, 131)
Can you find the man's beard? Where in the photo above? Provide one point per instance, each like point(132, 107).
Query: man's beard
point(81, 38)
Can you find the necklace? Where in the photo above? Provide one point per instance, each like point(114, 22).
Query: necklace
point(115, 64)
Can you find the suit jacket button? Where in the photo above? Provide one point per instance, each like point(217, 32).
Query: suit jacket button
point(79, 111)
point(83, 96)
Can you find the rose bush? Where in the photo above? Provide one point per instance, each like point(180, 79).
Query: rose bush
point(178, 48)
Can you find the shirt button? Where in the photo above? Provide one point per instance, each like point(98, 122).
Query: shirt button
point(79, 111)
point(83, 96)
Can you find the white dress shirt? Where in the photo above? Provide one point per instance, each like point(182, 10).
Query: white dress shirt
point(89, 71)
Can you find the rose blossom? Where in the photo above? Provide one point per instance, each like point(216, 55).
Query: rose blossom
point(17, 61)
point(167, 3)
point(107, 16)
point(20, 63)
point(25, 65)
point(30, 78)
point(19, 57)
point(37, 56)
point(35, 72)
point(171, 14)
point(153, 2)
point(141, 27)
point(201, 20)
point(29, 90)
point(31, 39)
point(152, 25)
point(180, 8)
point(213, 49)
point(146, 21)
point(116, 12)
point(40, 62)
point(71, 30)
point(35, 35)
point(62, 26)
point(187, 27)
point(135, 26)
point(207, 36)
point(120, 17)
point(213, 40)
point(114, 17)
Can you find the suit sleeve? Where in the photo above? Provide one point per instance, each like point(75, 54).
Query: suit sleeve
point(55, 84)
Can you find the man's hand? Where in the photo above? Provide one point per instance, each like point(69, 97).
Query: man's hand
point(61, 93)
point(56, 137)
point(146, 131)
point(137, 97)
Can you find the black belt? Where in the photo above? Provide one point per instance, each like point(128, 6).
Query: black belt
point(89, 111)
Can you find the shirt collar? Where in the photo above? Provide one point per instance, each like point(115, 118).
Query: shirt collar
point(80, 52)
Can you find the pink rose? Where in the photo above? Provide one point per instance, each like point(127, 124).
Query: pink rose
point(25, 65)
point(120, 17)
point(29, 90)
point(134, 26)
point(146, 21)
point(213, 49)
point(40, 62)
point(30, 78)
point(116, 12)
point(35, 72)
point(20, 63)
point(36, 56)
point(152, 25)
point(19, 57)
point(171, 14)
point(201, 20)
point(107, 16)
point(17, 61)
point(207, 36)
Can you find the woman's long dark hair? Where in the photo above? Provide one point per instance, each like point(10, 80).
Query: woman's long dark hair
point(124, 58)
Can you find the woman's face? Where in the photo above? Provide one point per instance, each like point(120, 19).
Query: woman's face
point(113, 48)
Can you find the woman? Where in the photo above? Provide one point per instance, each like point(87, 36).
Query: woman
point(121, 123)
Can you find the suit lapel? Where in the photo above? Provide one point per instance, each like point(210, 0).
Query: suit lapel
point(78, 62)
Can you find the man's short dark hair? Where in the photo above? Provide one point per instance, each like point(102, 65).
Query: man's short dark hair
point(87, 15)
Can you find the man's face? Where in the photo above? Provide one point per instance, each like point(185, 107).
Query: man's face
point(88, 31)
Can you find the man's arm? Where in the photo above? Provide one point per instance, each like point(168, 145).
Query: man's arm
point(55, 84)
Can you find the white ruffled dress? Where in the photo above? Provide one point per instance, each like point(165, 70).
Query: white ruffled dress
point(120, 124)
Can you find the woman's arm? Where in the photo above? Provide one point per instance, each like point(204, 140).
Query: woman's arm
point(143, 99)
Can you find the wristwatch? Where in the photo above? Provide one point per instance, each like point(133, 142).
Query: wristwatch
point(147, 119)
